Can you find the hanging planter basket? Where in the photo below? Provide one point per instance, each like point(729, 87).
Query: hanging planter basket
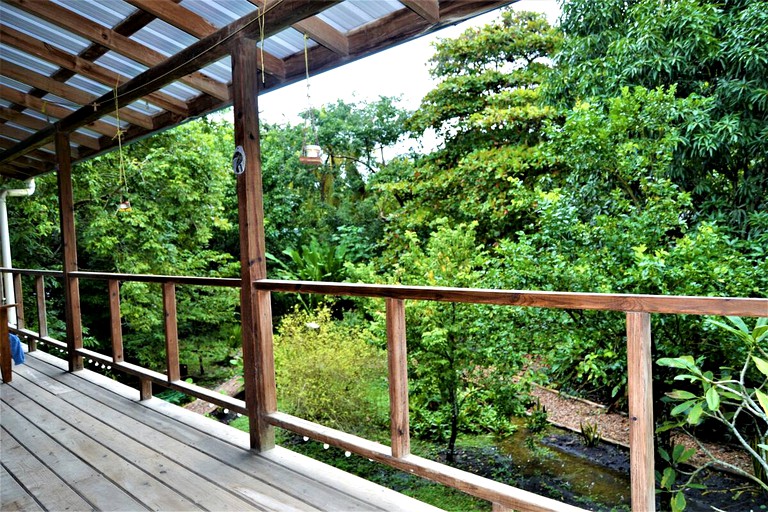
point(124, 206)
point(311, 154)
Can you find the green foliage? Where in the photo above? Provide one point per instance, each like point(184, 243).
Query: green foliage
point(590, 434)
point(460, 360)
point(537, 422)
point(737, 399)
point(328, 372)
point(715, 54)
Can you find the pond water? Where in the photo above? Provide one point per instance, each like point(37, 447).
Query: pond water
point(597, 473)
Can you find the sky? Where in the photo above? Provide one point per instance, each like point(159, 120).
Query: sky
point(400, 71)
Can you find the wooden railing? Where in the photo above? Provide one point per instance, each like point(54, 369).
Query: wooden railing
point(172, 378)
point(637, 308)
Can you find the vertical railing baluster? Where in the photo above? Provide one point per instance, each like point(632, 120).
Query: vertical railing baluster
point(42, 314)
point(115, 319)
point(171, 333)
point(145, 389)
point(640, 384)
point(19, 301)
point(397, 355)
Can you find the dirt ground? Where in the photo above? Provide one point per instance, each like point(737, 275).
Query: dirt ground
point(568, 412)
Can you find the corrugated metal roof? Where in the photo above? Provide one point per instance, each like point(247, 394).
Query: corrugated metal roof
point(123, 38)
point(42, 30)
point(107, 13)
point(219, 14)
point(353, 14)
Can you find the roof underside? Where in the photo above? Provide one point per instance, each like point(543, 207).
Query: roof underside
point(66, 64)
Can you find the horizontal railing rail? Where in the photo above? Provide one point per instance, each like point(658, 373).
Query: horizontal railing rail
point(171, 379)
point(638, 327)
point(672, 304)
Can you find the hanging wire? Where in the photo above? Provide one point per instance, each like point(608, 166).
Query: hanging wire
point(125, 205)
point(310, 153)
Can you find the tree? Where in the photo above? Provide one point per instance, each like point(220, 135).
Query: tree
point(711, 52)
point(486, 109)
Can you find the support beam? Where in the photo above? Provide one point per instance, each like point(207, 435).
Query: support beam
point(640, 389)
point(397, 357)
point(323, 33)
point(52, 109)
point(255, 307)
point(78, 65)
point(69, 240)
point(34, 123)
point(427, 9)
point(279, 14)
point(194, 24)
point(97, 33)
point(67, 92)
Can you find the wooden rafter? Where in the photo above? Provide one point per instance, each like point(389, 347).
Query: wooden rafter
point(82, 66)
point(427, 9)
point(128, 47)
point(323, 33)
point(34, 123)
point(57, 111)
point(194, 24)
point(67, 92)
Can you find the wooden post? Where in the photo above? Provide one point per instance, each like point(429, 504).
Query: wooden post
point(69, 240)
point(171, 332)
point(5, 344)
point(145, 389)
point(19, 301)
point(640, 384)
point(116, 321)
point(255, 308)
point(42, 316)
point(397, 355)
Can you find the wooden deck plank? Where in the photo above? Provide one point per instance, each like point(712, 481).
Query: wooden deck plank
point(91, 484)
point(88, 433)
point(13, 497)
point(279, 467)
point(153, 493)
point(50, 491)
point(253, 490)
point(271, 474)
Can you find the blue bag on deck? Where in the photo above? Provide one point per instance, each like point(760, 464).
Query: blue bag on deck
point(17, 352)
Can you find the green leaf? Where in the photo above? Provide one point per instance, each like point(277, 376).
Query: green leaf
point(713, 399)
point(760, 332)
point(678, 502)
point(739, 323)
point(669, 426)
point(664, 455)
point(694, 416)
point(668, 478)
point(685, 362)
point(761, 364)
point(679, 394)
point(763, 399)
point(686, 455)
point(682, 407)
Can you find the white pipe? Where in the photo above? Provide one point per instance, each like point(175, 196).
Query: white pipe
point(5, 243)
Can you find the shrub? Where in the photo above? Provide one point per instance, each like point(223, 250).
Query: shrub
point(328, 372)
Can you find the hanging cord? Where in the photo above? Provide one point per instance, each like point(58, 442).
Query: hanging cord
point(259, 19)
point(309, 123)
point(262, 17)
point(119, 135)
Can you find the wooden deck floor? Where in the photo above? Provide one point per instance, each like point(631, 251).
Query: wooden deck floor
point(84, 442)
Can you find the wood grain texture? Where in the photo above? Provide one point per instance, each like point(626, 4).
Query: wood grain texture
point(19, 292)
point(5, 344)
point(171, 332)
point(69, 241)
point(215, 457)
point(255, 307)
point(469, 483)
point(42, 312)
point(397, 357)
point(115, 321)
point(640, 386)
point(559, 300)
